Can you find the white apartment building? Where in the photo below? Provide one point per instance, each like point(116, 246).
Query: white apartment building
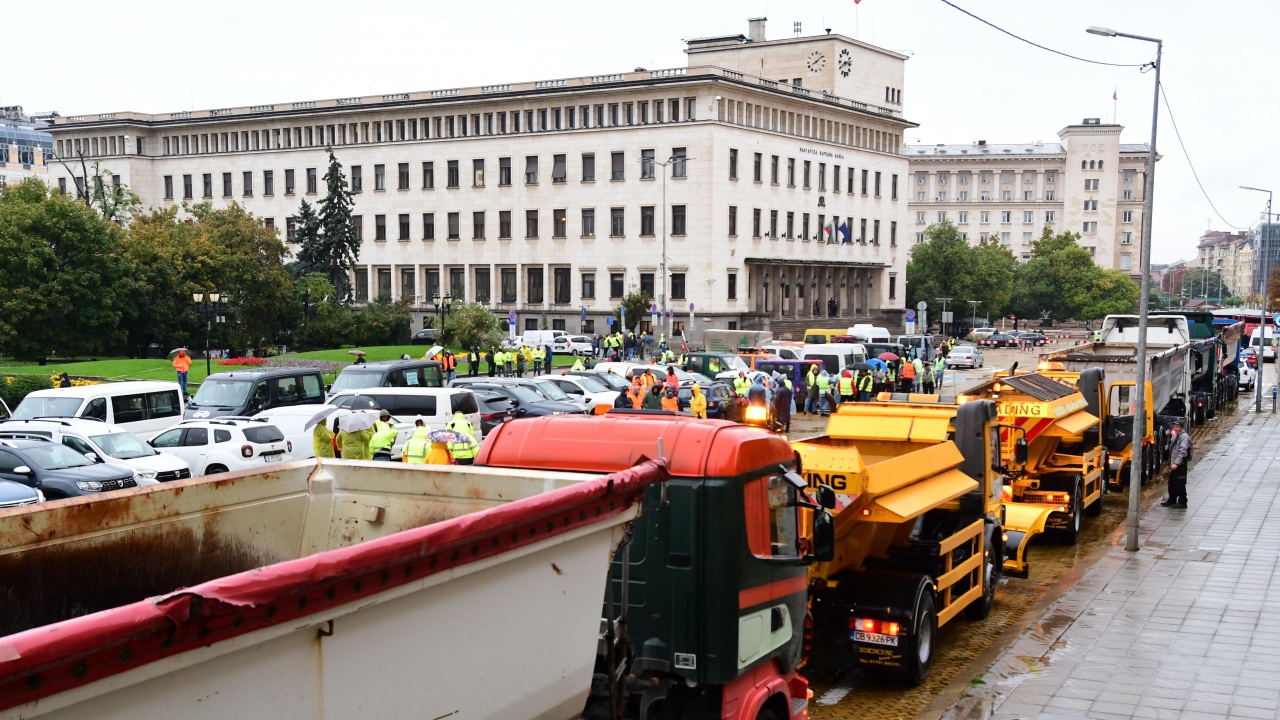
point(1090, 183)
point(1231, 256)
point(556, 197)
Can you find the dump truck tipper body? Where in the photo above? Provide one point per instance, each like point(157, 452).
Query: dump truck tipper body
point(322, 588)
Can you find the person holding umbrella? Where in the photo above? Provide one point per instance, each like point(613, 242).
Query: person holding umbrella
point(321, 435)
point(384, 436)
point(181, 364)
point(356, 431)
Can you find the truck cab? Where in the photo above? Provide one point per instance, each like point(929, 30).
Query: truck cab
point(716, 366)
point(714, 582)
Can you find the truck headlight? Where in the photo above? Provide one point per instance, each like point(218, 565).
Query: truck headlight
point(89, 485)
point(144, 475)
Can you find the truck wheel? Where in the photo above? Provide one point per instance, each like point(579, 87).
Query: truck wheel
point(991, 569)
point(1072, 533)
point(920, 655)
point(767, 714)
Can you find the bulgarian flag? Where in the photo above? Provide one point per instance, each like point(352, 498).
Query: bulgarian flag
point(830, 231)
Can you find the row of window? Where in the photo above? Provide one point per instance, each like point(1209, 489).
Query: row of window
point(535, 287)
point(806, 175)
point(1027, 238)
point(985, 196)
point(838, 230)
point(1006, 176)
point(800, 124)
point(984, 217)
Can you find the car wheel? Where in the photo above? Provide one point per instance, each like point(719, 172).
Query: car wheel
point(215, 469)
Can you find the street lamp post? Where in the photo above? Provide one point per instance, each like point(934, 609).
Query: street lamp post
point(442, 308)
point(973, 317)
point(1140, 379)
point(1262, 298)
point(208, 306)
point(662, 267)
point(943, 318)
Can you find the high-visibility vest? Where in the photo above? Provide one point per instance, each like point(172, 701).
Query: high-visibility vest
point(908, 371)
point(415, 451)
point(384, 436)
point(741, 385)
point(864, 383)
point(824, 384)
point(464, 449)
point(890, 375)
point(846, 386)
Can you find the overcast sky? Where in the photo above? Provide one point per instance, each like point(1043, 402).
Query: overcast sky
point(965, 81)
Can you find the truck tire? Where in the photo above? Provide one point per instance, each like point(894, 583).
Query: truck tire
point(992, 567)
point(919, 657)
point(1072, 534)
point(767, 713)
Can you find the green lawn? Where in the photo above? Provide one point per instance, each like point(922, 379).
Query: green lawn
point(124, 369)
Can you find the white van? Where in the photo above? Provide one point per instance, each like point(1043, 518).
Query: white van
point(1269, 349)
point(864, 333)
point(144, 408)
point(534, 338)
point(435, 406)
point(836, 357)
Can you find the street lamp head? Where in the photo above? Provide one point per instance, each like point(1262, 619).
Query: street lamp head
point(1105, 32)
point(198, 297)
point(213, 296)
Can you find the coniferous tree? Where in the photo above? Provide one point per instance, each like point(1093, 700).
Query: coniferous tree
point(311, 255)
point(338, 241)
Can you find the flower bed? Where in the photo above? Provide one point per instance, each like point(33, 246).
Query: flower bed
point(324, 366)
point(244, 361)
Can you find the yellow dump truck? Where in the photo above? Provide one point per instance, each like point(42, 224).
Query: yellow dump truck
point(1051, 429)
point(918, 527)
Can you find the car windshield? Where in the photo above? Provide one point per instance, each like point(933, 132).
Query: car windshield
point(356, 380)
point(34, 407)
point(733, 362)
point(552, 390)
point(56, 457)
point(122, 446)
point(223, 393)
point(613, 381)
point(591, 384)
point(525, 395)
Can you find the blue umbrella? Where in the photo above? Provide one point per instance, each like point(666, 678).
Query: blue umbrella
point(877, 363)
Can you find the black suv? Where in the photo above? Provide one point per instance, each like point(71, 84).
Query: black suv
point(57, 470)
point(246, 392)
point(527, 401)
point(495, 408)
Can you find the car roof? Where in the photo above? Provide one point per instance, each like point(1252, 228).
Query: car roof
point(83, 426)
point(400, 391)
point(259, 373)
point(390, 364)
point(120, 388)
point(25, 443)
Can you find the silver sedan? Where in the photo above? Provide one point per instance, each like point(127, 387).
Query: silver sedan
point(964, 356)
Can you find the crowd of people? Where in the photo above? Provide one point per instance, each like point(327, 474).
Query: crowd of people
point(456, 447)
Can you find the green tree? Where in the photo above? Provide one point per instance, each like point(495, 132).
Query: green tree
point(339, 246)
point(311, 257)
point(945, 265)
point(1113, 293)
point(471, 325)
point(637, 304)
point(383, 322)
point(992, 282)
point(321, 321)
point(1202, 282)
point(60, 270)
point(1057, 280)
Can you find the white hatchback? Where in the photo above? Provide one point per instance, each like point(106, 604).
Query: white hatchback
point(224, 444)
point(573, 345)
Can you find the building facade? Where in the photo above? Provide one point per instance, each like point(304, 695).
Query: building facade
point(1265, 237)
point(24, 145)
point(1090, 183)
point(553, 199)
point(1231, 256)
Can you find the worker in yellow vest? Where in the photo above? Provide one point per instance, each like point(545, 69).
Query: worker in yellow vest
point(415, 450)
point(464, 450)
point(844, 388)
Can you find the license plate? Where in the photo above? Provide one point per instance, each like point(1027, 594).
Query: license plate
point(875, 638)
point(271, 458)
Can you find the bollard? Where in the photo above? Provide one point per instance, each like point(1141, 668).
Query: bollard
point(1273, 399)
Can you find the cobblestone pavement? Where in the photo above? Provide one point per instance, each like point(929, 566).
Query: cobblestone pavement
point(841, 691)
point(1185, 628)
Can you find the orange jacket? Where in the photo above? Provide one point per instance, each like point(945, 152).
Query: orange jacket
point(670, 403)
point(182, 362)
point(908, 371)
point(635, 394)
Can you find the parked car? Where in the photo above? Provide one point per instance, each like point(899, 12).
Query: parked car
point(1248, 376)
point(245, 392)
point(573, 345)
point(16, 494)
point(435, 406)
point(999, 340)
point(495, 409)
point(141, 407)
point(586, 386)
point(57, 471)
point(104, 443)
point(981, 333)
point(225, 444)
point(964, 356)
point(527, 401)
point(425, 336)
point(716, 392)
point(611, 380)
point(552, 391)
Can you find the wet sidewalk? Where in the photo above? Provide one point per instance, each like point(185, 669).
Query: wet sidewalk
point(1188, 627)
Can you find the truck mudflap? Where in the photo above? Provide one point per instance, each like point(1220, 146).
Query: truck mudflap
point(1021, 523)
point(128, 658)
point(893, 622)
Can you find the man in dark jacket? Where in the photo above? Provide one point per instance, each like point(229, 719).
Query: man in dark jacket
point(653, 398)
point(782, 402)
point(1179, 456)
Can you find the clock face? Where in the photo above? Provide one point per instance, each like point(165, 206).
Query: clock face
point(845, 63)
point(816, 62)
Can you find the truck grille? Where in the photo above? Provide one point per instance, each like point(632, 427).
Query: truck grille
point(118, 484)
point(182, 474)
point(1038, 386)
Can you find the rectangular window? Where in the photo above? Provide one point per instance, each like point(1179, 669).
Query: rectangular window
point(921, 178)
point(1004, 238)
point(1128, 194)
point(379, 177)
point(531, 170)
point(617, 228)
point(807, 165)
point(1028, 195)
point(733, 221)
point(893, 188)
point(477, 173)
point(942, 216)
point(878, 184)
point(646, 220)
point(1126, 238)
point(379, 227)
point(291, 229)
point(773, 170)
point(588, 285)
point(357, 222)
point(678, 220)
point(1128, 216)
point(1006, 176)
point(207, 181)
point(893, 286)
point(451, 174)
point(588, 222)
point(428, 226)
point(963, 177)
point(1126, 262)
point(561, 287)
point(865, 174)
point(919, 217)
point(1006, 194)
point(357, 180)
point(677, 286)
point(168, 187)
point(646, 284)
point(533, 279)
point(559, 223)
point(964, 218)
point(226, 186)
point(187, 190)
point(483, 290)
point(289, 182)
point(773, 224)
point(1050, 176)
point(504, 171)
point(893, 232)
point(733, 164)
point(588, 167)
point(755, 222)
point(835, 178)
point(942, 196)
point(1006, 217)
point(404, 226)
point(1026, 217)
point(531, 223)
point(362, 286)
point(920, 196)
point(1128, 176)
point(804, 226)
point(1049, 195)
point(504, 224)
point(757, 167)
point(1048, 216)
point(477, 225)
point(508, 284)
point(455, 231)
point(615, 285)
point(617, 161)
point(791, 171)
point(247, 180)
point(962, 196)
point(733, 286)
point(268, 182)
point(646, 164)
point(984, 217)
point(791, 225)
point(822, 177)
point(559, 171)
point(402, 176)
point(1026, 238)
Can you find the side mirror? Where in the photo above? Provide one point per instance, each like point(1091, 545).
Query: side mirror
point(22, 470)
point(1020, 451)
point(93, 457)
point(826, 497)
point(824, 536)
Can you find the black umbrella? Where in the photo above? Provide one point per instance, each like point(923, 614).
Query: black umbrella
point(361, 402)
point(861, 366)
